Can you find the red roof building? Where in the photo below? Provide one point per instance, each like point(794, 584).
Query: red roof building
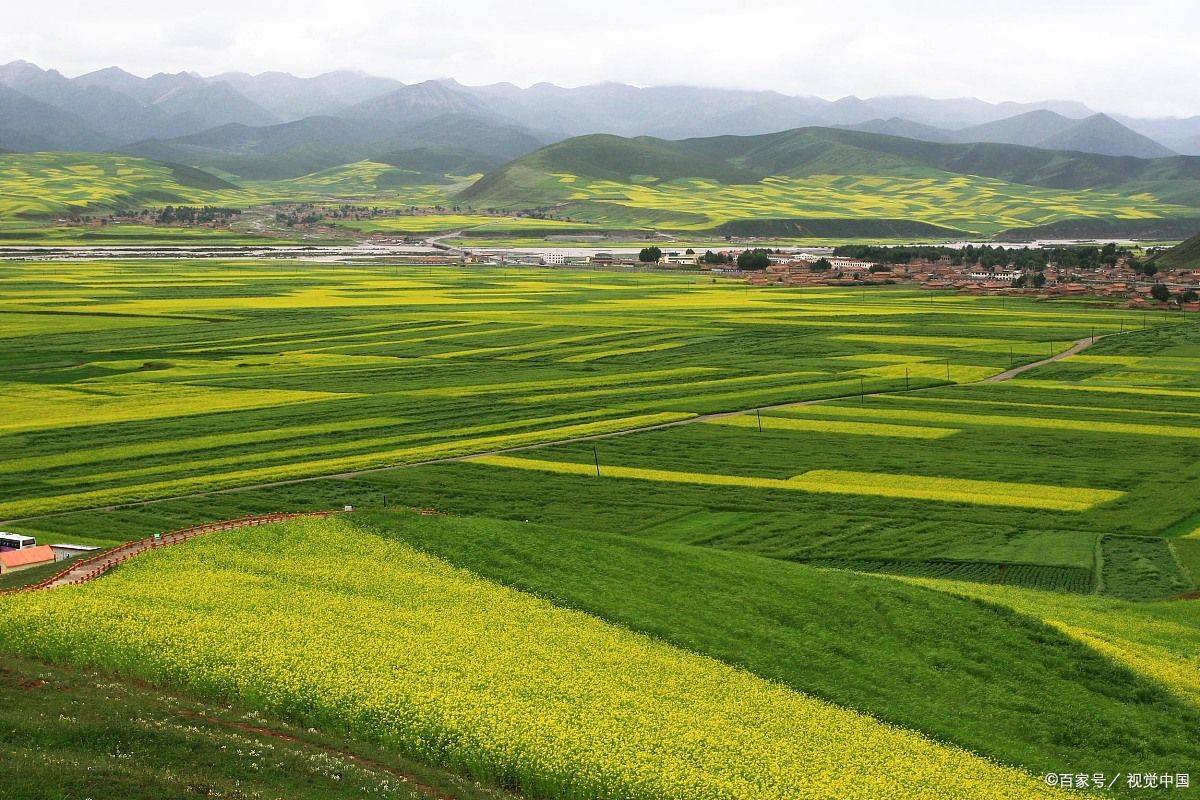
point(14, 560)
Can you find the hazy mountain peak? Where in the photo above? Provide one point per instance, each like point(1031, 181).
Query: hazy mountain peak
point(18, 67)
point(1102, 134)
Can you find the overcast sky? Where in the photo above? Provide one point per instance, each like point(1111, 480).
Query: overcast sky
point(1136, 56)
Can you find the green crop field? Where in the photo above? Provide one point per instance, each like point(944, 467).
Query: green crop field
point(679, 536)
point(209, 377)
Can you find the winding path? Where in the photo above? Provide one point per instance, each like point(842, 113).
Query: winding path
point(1079, 346)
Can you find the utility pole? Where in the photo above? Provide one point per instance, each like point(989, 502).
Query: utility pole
point(906, 379)
point(596, 455)
point(758, 411)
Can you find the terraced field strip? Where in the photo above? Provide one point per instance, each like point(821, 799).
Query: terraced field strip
point(340, 467)
point(88, 569)
point(829, 481)
point(1035, 576)
point(832, 426)
point(1003, 420)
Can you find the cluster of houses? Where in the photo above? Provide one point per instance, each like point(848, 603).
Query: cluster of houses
point(18, 552)
point(1118, 281)
point(820, 267)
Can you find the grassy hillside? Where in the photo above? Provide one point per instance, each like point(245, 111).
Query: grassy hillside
point(962, 672)
point(818, 173)
point(1186, 255)
point(41, 184)
point(456, 670)
point(263, 153)
point(1158, 640)
point(449, 144)
point(67, 732)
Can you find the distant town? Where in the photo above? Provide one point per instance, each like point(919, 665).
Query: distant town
point(1106, 271)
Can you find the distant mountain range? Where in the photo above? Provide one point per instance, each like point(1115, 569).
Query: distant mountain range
point(1097, 133)
point(276, 125)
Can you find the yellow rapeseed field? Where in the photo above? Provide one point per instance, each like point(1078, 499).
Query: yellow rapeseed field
point(330, 625)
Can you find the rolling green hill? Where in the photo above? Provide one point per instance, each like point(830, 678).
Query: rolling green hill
point(822, 174)
point(1186, 254)
point(42, 184)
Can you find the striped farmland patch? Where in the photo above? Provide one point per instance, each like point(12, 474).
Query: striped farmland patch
point(1041, 423)
point(829, 481)
point(834, 426)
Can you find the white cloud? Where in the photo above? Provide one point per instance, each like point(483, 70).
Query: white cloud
point(203, 34)
point(1134, 57)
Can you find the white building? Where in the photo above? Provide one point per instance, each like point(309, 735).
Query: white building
point(62, 552)
point(1007, 276)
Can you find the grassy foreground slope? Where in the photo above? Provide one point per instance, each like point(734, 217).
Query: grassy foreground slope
point(962, 672)
point(463, 672)
point(67, 733)
point(812, 181)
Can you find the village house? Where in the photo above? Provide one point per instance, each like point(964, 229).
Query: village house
point(26, 558)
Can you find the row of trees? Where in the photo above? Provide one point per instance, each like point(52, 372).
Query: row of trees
point(195, 215)
point(1033, 259)
point(748, 260)
point(1162, 294)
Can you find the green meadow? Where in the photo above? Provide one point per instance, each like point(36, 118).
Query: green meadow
point(813, 487)
point(219, 375)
